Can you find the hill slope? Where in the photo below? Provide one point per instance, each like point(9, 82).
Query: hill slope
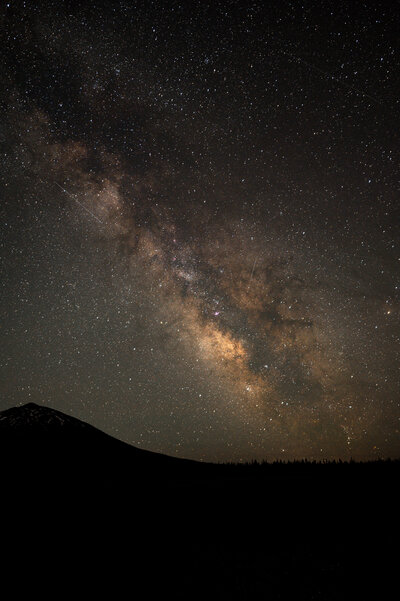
point(42, 443)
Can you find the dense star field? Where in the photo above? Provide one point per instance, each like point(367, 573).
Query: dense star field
point(200, 223)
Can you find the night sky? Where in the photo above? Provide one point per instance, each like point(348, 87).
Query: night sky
point(200, 223)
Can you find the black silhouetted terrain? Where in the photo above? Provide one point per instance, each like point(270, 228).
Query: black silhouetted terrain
point(44, 444)
point(105, 518)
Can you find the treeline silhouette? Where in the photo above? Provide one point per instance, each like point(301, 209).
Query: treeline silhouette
point(304, 468)
point(258, 467)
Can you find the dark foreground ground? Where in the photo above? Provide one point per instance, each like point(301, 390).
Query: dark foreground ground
point(296, 540)
point(94, 517)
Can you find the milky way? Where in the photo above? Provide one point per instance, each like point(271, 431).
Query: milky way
point(200, 224)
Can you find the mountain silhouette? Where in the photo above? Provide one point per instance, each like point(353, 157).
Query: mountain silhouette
point(47, 445)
